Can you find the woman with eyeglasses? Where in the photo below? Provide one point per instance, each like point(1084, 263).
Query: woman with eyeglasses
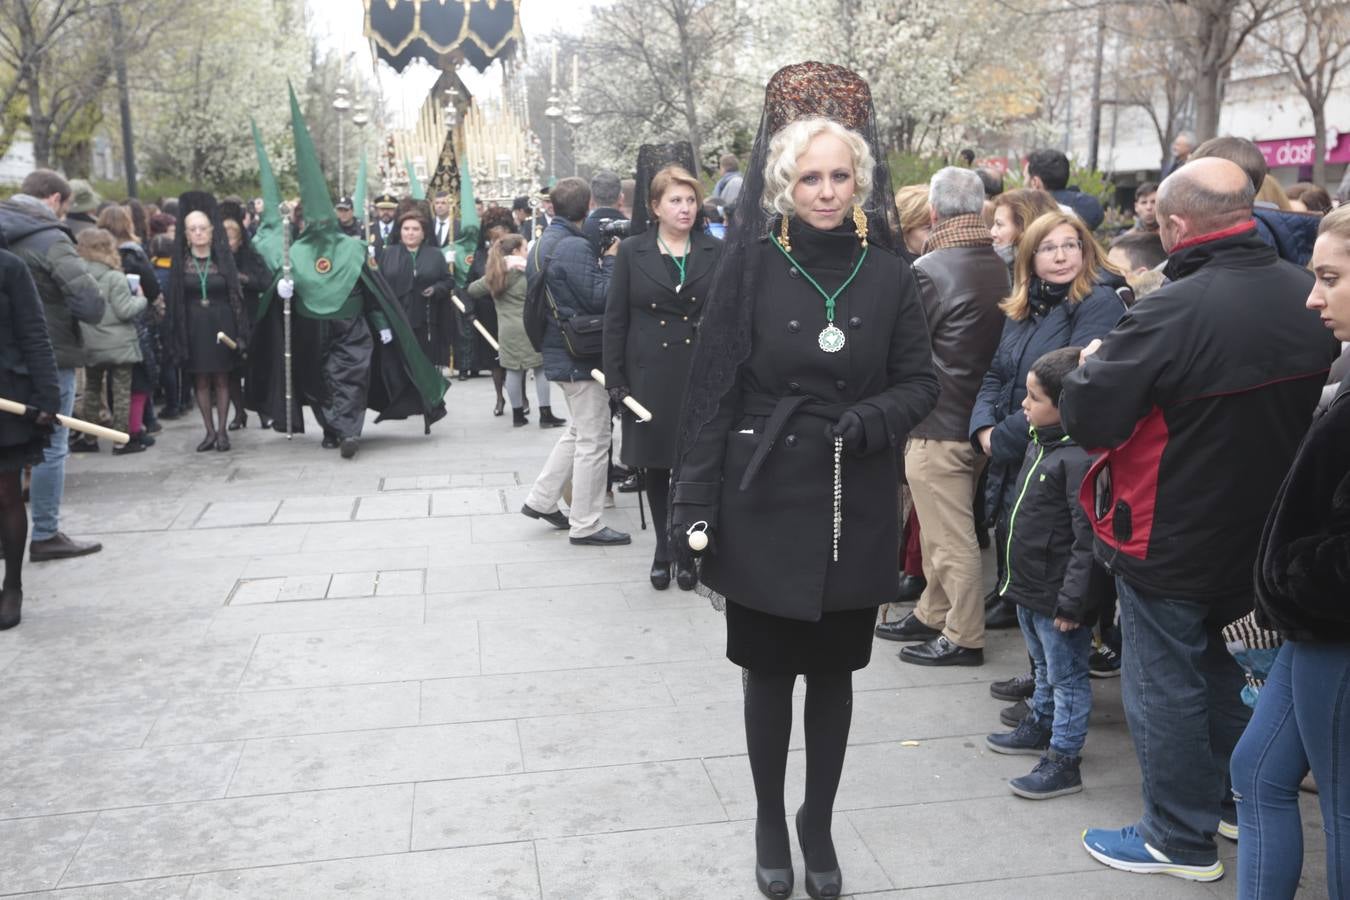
point(1059, 299)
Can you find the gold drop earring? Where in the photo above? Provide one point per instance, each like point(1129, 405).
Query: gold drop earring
point(860, 223)
point(783, 234)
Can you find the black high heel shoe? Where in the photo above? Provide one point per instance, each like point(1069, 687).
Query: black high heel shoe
point(686, 577)
point(827, 885)
point(774, 883)
point(222, 441)
point(241, 422)
point(500, 408)
point(207, 443)
point(660, 575)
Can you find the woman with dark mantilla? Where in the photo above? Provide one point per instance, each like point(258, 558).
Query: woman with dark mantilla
point(248, 381)
point(656, 297)
point(205, 300)
point(812, 365)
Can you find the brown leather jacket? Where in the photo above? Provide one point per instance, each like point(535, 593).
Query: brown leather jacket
point(960, 289)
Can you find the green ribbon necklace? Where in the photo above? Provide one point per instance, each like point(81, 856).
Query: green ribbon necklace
point(831, 339)
point(202, 275)
point(680, 261)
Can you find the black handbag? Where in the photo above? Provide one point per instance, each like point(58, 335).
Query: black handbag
point(582, 335)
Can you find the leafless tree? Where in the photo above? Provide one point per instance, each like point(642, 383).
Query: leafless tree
point(1312, 46)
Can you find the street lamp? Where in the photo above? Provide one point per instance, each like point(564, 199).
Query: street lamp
point(574, 119)
point(341, 104)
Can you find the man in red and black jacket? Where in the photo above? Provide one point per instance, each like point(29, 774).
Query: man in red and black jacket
point(1199, 398)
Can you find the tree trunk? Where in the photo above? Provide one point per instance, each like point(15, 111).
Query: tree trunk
point(1319, 115)
point(123, 98)
point(39, 124)
point(1095, 124)
point(1213, 31)
point(687, 84)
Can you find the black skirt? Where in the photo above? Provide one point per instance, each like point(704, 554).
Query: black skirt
point(839, 642)
point(14, 457)
point(205, 354)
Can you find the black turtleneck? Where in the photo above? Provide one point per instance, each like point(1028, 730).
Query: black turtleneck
point(1045, 296)
point(828, 255)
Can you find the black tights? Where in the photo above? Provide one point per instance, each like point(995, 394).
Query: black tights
point(13, 526)
point(205, 384)
point(768, 726)
point(658, 497)
point(237, 397)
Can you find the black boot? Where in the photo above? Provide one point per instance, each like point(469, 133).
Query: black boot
point(547, 419)
point(518, 417)
point(1004, 615)
point(11, 601)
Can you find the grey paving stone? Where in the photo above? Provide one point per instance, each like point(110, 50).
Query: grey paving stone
point(459, 577)
point(544, 805)
point(352, 584)
point(467, 502)
point(501, 872)
point(134, 673)
point(400, 583)
point(534, 694)
point(586, 566)
point(257, 590)
point(539, 644)
point(448, 532)
point(385, 756)
point(393, 506)
point(246, 541)
point(1102, 883)
point(255, 831)
point(317, 615)
point(632, 736)
point(316, 509)
point(695, 861)
point(147, 514)
point(34, 852)
point(304, 587)
point(48, 783)
point(328, 562)
point(526, 603)
point(313, 659)
point(225, 513)
point(156, 889)
point(7, 656)
point(264, 714)
point(63, 629)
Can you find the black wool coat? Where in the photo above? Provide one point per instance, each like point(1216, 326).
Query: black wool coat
point(761, 472)
point(27, 363)
point(409, 275)
point(649, 338)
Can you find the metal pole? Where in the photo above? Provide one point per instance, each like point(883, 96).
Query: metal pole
point(342, 159)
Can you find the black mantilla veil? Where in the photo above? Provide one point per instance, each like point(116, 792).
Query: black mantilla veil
point(221, 258)
point(652, 158)
point(800, 91)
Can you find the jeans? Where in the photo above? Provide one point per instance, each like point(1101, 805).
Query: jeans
point(1063, 697)
point(581, 456)
point(49, 476)
point(1302, 722)
point(1182, 695)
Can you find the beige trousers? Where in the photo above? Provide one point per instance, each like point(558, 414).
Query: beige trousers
point(942, 478)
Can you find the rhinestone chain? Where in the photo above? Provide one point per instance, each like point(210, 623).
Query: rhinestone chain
point(838, 494)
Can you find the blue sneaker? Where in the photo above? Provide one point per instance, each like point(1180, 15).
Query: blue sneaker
point(1125, 849)
point(1028, 739)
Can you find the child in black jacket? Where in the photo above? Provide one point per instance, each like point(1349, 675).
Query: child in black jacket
point(1048, 568)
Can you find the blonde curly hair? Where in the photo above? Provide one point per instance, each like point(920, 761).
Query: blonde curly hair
point(790, 142)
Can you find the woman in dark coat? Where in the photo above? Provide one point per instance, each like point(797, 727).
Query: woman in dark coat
point(27, 376)
point(421, 280)
point(656, 298)
point(205, 300)
point(254, 279)
point(812, 364)
point(1058, 300)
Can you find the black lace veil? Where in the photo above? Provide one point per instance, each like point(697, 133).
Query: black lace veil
point(652, 158)
point(221, 257)
point(799, 91)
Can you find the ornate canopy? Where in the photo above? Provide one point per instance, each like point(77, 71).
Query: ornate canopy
point(444, 32)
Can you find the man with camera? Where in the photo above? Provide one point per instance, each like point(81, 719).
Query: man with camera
point(606, 190)
point(577, 281)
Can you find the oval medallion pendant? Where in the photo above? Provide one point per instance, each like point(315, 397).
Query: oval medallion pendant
point(831, 339)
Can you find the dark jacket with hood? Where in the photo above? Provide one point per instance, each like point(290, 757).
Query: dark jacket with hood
point(27, 366)
point(1088, 207)
point(1051, 324)
point(1291, 233)
point(1049, 537)
point(1303, 568)
point(69, 293)
point(578, 284)
point(1200, 396)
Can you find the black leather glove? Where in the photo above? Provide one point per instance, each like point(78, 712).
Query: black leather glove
point(850, 428)
point(616, 395)
point(685, 556)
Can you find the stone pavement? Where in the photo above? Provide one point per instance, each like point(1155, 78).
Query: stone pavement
point(293, 676)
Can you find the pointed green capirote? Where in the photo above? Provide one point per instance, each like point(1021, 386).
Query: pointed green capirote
point(469, 225)
point(415, 189)
point(314, 197)
point(267, 240)
point(325, 263)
